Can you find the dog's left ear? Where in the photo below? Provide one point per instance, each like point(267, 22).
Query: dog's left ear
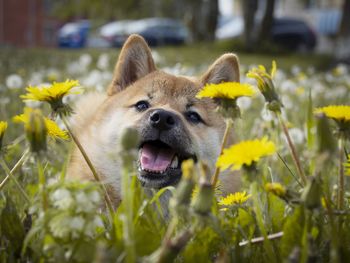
point(135, 61)
point(224, 69)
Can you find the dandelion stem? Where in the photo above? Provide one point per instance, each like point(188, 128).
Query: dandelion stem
point(89, 163)
point(128, 203)
point(42, 181)
point(290, 171)
point(229, 124)
point(295, 156)
point(9, 173)
point(340, 196)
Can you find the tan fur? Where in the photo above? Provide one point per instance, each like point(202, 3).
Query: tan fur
point(100, 119)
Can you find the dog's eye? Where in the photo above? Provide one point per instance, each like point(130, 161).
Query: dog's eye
point(142, 105)
point(193, 117)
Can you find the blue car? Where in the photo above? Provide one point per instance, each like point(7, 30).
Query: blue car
point(73, 34)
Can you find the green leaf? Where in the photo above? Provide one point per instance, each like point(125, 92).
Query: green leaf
point(258, 207)
point(11, 225)
point(276, 209)
point(325, 136)
point(293, 231)
point(310, 124)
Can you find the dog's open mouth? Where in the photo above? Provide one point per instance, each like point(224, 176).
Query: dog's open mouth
point(160, 164)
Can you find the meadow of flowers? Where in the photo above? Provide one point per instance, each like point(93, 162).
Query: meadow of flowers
point(292, 130)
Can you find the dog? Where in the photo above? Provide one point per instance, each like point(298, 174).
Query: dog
point(172, 123)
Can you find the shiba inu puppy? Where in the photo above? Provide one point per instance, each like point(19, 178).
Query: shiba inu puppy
point(173, 124)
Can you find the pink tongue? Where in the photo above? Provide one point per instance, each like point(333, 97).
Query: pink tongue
point(155, 159)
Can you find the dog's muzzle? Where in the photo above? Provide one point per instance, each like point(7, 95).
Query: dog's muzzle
point(165, 144)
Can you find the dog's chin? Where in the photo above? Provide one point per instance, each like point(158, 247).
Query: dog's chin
point(159, 180)
point(159, 164)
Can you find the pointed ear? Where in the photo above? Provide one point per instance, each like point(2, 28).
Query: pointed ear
point(224, 69)
point(135, 61)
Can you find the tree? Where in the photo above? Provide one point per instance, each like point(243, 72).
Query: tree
point(342, 41)
point(107, 9)
point(212, 19)
point(249, 8)
point(201, 18)
point(344, 27)
point(266, 24)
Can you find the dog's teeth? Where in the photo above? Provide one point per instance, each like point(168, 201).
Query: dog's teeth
point(175, 162)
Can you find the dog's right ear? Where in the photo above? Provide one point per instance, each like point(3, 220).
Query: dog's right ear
point(135, 61)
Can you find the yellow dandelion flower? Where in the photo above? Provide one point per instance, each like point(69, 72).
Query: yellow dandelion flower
point(276, 189)
point(335, 112)
point(226, 90)
point(340, 114)
point(52, 128)
point(3, 128)
point(260, 72)
point(273, 69)
point(234, 199)
point(50, 93)
point(227, 93)
point(266, 86)
point(54, 131)
point(245, 153)
point(53, 94)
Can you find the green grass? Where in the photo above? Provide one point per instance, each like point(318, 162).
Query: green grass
point(206, 53)
point(63, 220)
point(16, 60)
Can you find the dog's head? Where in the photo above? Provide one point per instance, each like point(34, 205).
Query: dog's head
point(173, 124)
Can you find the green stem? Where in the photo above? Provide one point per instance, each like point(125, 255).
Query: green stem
point(290, 171)
point(340, 196)
point(9, 173)
point(128, 202)
point(215, 177)
point(42, 181)
point(258, 209)
point(295, 156)
point(89, 163)
point(170, 230)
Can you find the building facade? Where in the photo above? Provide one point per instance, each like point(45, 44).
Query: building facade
point(27, 23)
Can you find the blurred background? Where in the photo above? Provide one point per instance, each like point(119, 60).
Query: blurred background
point(321, 26)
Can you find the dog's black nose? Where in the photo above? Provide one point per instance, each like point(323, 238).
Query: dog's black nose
point(163, 120)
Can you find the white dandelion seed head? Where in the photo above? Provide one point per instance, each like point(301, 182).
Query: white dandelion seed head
point(85, 60)
point(103, 62)
point(14, 81)
point(244, 102)
point(77, 223)
point(62, 199)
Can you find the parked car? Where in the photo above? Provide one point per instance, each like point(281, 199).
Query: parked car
point(230, 27)
point(291, 33)
point(156, 31)
point(73, 34)
point(115, 32)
